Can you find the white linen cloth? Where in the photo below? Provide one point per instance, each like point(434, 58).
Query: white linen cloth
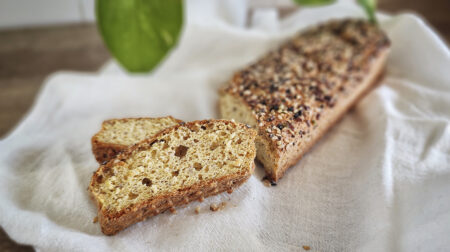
point(378, 181)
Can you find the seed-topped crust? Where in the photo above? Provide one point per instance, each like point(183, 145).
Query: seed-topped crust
point(292, 89)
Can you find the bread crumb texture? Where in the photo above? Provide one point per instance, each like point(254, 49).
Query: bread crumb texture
point(216, 207)
point(173, 160)
point(132, 130)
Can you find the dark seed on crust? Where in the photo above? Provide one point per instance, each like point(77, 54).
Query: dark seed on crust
point(273, 88)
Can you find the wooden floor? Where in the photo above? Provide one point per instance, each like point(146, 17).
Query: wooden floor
point(28, 56)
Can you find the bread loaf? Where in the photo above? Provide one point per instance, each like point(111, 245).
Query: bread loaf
point(295, 93)
point(180, 164)
point(118, 134)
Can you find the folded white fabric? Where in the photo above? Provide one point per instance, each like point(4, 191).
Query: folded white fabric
point(378, 181)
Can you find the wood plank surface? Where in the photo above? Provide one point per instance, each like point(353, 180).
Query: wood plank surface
point(28, 56)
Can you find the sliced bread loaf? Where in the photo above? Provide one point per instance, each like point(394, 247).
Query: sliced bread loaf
point(294, 94)
point(118, 134)
point(180, 164)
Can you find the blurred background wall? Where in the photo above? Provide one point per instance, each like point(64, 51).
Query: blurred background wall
point(25, 13)
point(29, 13)
point(32, 13)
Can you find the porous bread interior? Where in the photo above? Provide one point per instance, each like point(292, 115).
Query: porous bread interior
point(265, 155)
point(178, 159)
point(233, 108)
point(133, 130)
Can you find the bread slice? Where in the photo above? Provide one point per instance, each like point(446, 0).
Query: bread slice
point(117, 135)
point(295, 93)
point(180, 164)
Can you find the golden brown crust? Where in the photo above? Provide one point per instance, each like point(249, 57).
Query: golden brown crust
point(111, 226)
point(296, 156)
point(103, 151)
point(298, 91)
point(111, 223)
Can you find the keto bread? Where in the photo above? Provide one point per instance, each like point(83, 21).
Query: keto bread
point(295, 93)
point(118, 134)
point(180, 164)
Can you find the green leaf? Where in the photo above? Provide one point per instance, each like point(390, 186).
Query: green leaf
point(370, 7)
point(314, 2)
point(139, 33)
